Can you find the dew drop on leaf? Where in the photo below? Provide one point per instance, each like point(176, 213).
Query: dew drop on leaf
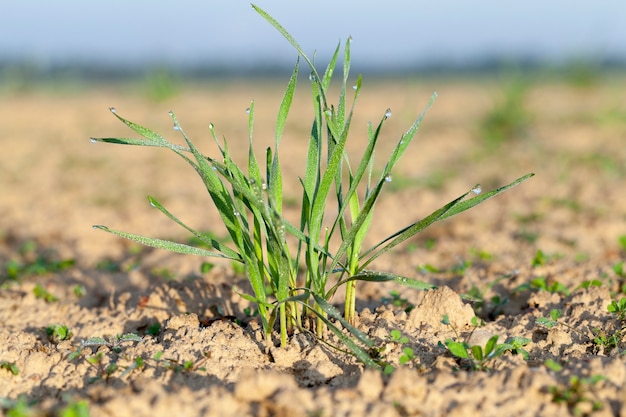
point(354, 86)
point(93, 141)
point(248, 110)
point(113, 110)
point(388, 178)
point(477, 189)
point(176, 127)
point(387, 113)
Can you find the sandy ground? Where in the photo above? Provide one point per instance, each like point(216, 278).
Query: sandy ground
point(55, 184)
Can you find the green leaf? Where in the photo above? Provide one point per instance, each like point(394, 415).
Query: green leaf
point(491, 344)
point(457, 349)
point(209, 241)
point(163, 244)
point(467, 204)
point(544, 321)
point(477, 353)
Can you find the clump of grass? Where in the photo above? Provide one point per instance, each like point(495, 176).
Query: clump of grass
point(269, 248)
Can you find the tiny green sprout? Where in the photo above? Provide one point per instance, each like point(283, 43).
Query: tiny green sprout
point(577, 391)
point(622, 242)
point(154, 329)
point(543, 284)
point(10, 366)
point(553, 365)
point(75, 409)
point(590, 283)
point(397, 300)
point(138, 363)
point(539, 259)
point(206, 267)
point(79, 290)
point(396, 336)
point(476, 357)
point(618, 308)
point(552, 321)
point(57, 333)
point(21, 407)
point(618, 268)
point(407, 355)
point(41, 292)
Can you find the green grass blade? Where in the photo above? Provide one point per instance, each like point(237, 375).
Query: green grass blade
point(285, 105)
point(330, 69)
point(467, 204)
point(287, 36)
point(164, 244)
point(208, 241)
point(145, 132)
point(128, 141)
point(408, 232)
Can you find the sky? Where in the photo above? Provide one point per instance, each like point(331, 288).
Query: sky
point(386, 33)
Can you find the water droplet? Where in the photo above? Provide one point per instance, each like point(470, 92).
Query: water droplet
point(211, 127)
point(312, 76)
point(388, 178)
point(264, 186)
point(214, 168)
point(329, 113)
point(387, 113)
point(93, 141)
point(113, 110)
point(236, 213)
point(171, 113)
point(477, 189)
point(152, 204)
point(176, 127)
point(248, 110)
point(355, 86)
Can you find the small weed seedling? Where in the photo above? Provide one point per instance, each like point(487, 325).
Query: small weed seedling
point(407, 356)
point(41, 292)
point(476, 357)
point(397, 300)
point(599, 337)
point(33, 261)
point(250, 202)
point(10, 366)
point(543, 284)
point(57, 333)
point(577, 393)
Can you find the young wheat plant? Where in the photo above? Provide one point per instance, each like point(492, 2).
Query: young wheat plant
point(250, 203)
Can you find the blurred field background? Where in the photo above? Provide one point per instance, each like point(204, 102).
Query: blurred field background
point(515, 96)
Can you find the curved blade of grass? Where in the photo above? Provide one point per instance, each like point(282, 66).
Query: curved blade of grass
point(408, 232)
point(357, 350)
point(334, 313)
point(370, 201)
point(293, 43)
point(164, 244)
point(143, 131)
point(128, 141)
point(285, 105)
point(468, 204)
point(377, 276)
point(208, 241)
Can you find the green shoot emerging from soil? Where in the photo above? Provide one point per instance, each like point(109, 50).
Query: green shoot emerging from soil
point(270, 248)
